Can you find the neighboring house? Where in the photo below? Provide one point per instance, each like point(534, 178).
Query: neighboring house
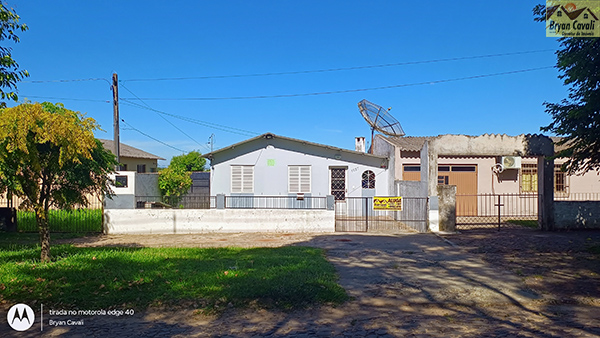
point(134, 159)
point(479, 174)
point(272, 165)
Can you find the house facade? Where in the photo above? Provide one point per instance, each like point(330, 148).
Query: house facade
point(133, 159)
point(477, 175)
point(272, 165)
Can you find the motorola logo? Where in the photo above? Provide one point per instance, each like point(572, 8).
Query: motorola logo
point(20, 317)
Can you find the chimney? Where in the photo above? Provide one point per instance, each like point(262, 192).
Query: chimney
point(360, 144)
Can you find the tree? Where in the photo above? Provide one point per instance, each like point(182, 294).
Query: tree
point(175, 180)
point(9, 69)
point(49, 157)
point(577, 118)
point(192, 161)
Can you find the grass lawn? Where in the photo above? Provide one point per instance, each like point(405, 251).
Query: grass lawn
point(76, 220)
point(528, 223)
point(209, 278)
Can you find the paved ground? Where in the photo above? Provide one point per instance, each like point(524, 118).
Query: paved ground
point(402, 285)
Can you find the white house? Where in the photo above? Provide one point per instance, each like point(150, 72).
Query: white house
point(272, 165)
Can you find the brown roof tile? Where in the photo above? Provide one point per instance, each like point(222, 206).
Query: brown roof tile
point(128, 151)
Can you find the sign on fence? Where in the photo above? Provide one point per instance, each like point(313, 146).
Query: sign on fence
point(387, 203)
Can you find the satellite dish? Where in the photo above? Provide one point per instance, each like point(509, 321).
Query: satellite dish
point(379, 119)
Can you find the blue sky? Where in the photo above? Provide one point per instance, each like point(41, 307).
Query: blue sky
point(152, 40)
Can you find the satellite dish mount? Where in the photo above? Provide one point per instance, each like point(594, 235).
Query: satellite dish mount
point(379, 119)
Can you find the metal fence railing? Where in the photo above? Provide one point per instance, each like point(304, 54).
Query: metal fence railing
point(358, 214)
point(275, 202)
point(76, 219)
point(496, 210)
point(183, 202)
point(577, 196)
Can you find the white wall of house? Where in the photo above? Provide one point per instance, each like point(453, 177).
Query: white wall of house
point(272, 158)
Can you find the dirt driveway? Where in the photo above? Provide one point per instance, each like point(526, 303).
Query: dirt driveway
point(402, 284)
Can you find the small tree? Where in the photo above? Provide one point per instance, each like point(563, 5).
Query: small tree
point(49, 157)
point(9, 69)
point(175, 180)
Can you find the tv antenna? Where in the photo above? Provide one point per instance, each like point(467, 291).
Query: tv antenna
point(379, 119)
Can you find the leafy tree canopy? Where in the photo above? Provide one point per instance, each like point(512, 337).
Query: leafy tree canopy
point(577, 117)
point(192, 161)
point(175, 180)
point(49, 157)
point(9, 69)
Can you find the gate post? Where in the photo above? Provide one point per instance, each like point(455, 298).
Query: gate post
point(366, 214)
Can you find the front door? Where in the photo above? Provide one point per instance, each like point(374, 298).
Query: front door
point(338, 183)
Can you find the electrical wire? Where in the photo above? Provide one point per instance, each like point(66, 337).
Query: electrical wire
point(164, 118)
point(62, 98)
point(337, 69)
point(191, 120)
point(65, 80)
point(343, 91)
point(151, 137)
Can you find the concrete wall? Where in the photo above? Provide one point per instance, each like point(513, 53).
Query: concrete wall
point(184, 221)
point(576, 215)
point(146, 184)
point(272, 180)
point(124, 197)
point(447, 208)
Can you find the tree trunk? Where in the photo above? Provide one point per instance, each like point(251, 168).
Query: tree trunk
point(41, 216)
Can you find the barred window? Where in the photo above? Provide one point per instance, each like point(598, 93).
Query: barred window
point(368, 180)
point(529, 178)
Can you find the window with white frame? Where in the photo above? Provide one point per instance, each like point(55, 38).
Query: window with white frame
point(242, 179)
point(299, 179)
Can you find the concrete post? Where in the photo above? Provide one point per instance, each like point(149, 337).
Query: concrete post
point(546, 193)
point(330, 202)
point(220, 201)
point(447, 207)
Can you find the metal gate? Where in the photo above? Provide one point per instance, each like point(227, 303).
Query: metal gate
point(496, 211)
point(357, 214)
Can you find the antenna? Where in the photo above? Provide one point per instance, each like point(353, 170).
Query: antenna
point(379, 119)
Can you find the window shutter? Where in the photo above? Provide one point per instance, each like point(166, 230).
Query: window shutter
point(248, 179)
point(299, 179)
point(236, 178)
point(305, 179)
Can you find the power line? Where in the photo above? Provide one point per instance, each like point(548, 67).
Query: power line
point(65, 80)
point(63, 98)
point(199, 122)
point(164, 118)
point(339, 69)
point(344, 91)
point(155, 139)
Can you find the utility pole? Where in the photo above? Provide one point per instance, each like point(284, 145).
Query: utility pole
point(115, 90)
point(211, 140)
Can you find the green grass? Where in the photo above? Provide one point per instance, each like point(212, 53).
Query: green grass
point(210, 279)
point(76, 220)
point(529, 223)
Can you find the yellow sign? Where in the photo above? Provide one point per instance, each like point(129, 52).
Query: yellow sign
point(387, 203)
point(572, 18)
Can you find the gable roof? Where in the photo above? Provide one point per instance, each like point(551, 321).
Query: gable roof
point(273, 136)
point(128, 151)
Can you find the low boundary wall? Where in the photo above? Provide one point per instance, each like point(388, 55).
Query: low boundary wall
point(185, 221)
point(577, 214)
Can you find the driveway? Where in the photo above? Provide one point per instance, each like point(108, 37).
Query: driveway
point(402, 284)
